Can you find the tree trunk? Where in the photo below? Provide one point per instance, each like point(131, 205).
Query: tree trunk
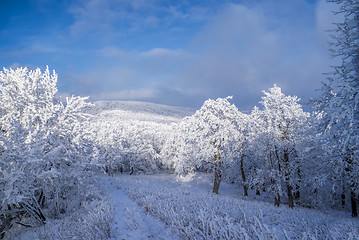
point(217, 180)
point(217, 170)
point(353, 201)
point(343, 197)
point(290, 196)
point(297, 187)
point(277, 200)
point(41, 199)
point(286, 176)
point(258, 192)
point(245, 188)
point(272, 180)
point(297, 192)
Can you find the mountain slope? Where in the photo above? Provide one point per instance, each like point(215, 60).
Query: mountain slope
point(143, 111)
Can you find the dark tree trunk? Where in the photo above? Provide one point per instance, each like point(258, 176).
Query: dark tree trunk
point(277, 200)
point(297, 192)
point(41, 199)
point(245, 188)
point(353, 201)
point(297, 187)
point(343, 197)
point(217, 180)
point(290, 196)
point(273, 181)
point(217, 170)
point(258, 192)
point(287, 176)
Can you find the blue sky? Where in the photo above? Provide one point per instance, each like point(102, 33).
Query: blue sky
point(171, 51)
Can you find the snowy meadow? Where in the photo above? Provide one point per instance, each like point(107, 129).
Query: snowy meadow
point(172, 173)
point(72, 169)
point(186, 204)
point(132, 170)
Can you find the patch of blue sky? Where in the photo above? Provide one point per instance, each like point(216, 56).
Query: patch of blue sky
point(192, 50)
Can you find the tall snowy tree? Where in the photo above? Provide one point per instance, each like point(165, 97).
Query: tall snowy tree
point(241, 146)
point(284, 128)
point(209, 136)
point(338, 106)
point(257, 150)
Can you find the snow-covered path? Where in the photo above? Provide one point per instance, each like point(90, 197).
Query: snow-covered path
point(131, 221)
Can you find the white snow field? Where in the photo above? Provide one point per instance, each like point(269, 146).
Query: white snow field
point(187, 204)
point(165, 206)
point(137, 111)
point(169, 207)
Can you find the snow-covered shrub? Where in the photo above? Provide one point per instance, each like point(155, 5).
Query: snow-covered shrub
point(41, 146)
point(91, 221)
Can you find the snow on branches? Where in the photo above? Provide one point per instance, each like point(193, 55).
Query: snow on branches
point(40, 139)
point(263, 148)
point(205, 139)
point(338, 106)
point(283, 129)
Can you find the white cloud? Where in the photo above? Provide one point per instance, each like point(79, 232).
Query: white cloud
point(141, 94)
point(15, 65)
point(240, 51)
point(113, 52)
point(163, 52)
point(325, 18)
point(92, 15)
point(244, 50)
point(112, 18)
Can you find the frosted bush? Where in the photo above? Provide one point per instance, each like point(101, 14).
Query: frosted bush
point(90, 222)
point(41, 142)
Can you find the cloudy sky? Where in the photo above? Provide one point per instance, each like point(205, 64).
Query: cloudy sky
point(175, 52)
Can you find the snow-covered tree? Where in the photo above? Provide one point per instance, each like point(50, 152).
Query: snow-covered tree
point(130, 146)
point(209, 137)
point(40, 142)
point(179, 151)
point(257, 150)
point(238, 170)
point(284, 125)
point(338, 106)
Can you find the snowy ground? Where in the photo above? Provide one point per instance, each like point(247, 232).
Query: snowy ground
point(132, 221)
point(187, 204)
point(171, 207)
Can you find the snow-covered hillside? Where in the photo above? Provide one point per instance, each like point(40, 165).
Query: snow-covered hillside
point(143, 111)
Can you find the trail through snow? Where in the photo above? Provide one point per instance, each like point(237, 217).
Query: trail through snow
point(131, 221)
